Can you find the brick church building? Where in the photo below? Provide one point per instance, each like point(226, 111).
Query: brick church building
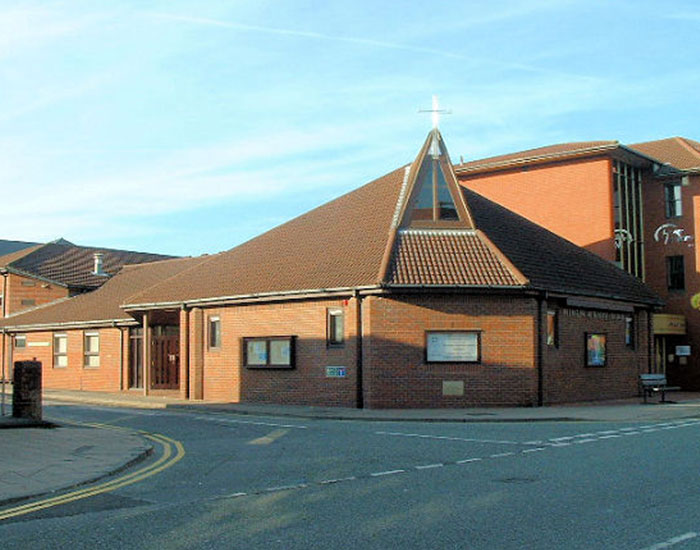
point(411, 291)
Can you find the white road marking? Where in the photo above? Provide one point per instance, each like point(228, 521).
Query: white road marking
point(446, 438)
point(430, 466)
point(224, 420)
point(468, 460)
point(673, 541)
point(337, 480)
point(387, 473)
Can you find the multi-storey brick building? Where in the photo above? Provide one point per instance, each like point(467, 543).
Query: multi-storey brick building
point(633, 205)
point(410, 291)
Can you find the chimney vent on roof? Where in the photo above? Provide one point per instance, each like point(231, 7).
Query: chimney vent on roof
point(97, 270)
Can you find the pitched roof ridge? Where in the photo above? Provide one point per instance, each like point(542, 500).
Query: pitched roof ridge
point(69, 245)
point(529, 156)
point(164, 260)
point(687, 146)
point(402, 197)
point(507, 263)
point(204, 259)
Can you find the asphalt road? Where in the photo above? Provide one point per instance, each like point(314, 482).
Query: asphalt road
point(262, 482)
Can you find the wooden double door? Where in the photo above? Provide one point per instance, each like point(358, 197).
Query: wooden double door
point(164, 355)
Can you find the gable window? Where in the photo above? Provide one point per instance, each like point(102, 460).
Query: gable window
point(214, 332)
point(20, 341)
point(91, 349)
point(274, 352)
point(60, 350)
point(433, 200)
point(335, 327)
point(675, 272)
point(552, 332)
point(674, 205)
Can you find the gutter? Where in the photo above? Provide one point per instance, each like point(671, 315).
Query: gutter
point(255, 297)
point(14, 270)
point(71, 324)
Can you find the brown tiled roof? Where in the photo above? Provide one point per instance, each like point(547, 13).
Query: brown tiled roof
point(8, 247)
point(683, 153)
point(338, 245)
point(561, 150)
point(456, 258)
point(103, 303)
point(550, 262)
point(72, 266)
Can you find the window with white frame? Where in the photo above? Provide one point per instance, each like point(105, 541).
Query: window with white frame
point(60, 350)
point(91, 349)
point(674, 204)
point(335, 327)
point(214, 332)
point(20, 341)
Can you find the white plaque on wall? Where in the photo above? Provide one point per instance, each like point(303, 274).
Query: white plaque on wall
point(452, 347)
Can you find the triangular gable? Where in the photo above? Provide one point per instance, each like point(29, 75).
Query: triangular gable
point(433, 199)
point(430, 198)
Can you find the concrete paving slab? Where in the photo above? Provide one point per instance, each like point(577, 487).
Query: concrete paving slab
point(36, 461)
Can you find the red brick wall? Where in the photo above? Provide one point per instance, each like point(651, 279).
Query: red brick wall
point(25, 288)
point(566, 378)
point(75, 376)
point(395, 371)
point(226, 379)
point(572, 199)
point(677, 301)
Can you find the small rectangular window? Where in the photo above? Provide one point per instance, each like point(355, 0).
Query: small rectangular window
point(552, 329)
point(675, 272)
point(92, 349)
point(20, 341)
point(214, 332)
point(60, 350)
point(674, 205)
point(28, 283)
point(335, 327)
point(28, 302)
point(275, 352)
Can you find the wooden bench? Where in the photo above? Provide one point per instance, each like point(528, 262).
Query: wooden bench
point(655, 383)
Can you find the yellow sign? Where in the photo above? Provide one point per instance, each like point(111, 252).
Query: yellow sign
point(666, 323)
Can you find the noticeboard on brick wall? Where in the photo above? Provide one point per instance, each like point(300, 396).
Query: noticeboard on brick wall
point(452, 346)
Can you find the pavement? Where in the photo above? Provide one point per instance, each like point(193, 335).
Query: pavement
point(38, 458)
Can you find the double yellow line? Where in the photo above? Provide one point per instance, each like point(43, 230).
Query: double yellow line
point(173, 451)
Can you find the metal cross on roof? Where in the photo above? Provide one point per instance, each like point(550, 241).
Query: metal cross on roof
point(436, 111)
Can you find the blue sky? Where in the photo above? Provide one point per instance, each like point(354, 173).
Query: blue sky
point(188, 127)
